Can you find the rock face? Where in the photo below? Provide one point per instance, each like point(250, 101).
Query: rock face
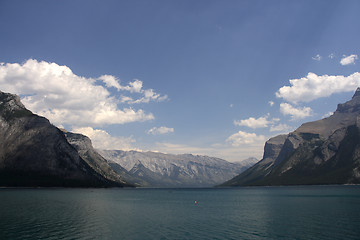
point(86, 151)
point(35, 153)
point(167, 170)
point(326, 151)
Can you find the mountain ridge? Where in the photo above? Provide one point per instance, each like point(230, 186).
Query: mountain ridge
point(326, 151)
point(169, 170)
point(34, 153)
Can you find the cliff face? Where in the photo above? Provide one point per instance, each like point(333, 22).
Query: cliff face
point(326, 151)
point(35, 153)
point(86, 151)
point(271, 152)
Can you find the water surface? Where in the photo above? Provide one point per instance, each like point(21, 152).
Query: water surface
point(303, 212)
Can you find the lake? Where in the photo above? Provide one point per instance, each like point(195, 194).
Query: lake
point(301, 212)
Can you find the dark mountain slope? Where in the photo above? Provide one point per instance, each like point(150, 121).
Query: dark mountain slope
point(35, 153)
point(326, 151)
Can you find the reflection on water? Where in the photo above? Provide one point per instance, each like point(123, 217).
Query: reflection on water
point(312, 212)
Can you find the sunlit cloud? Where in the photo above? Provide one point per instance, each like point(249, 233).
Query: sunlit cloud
point(317, 57)
point(331, 56)
point(312, 87)
point(103, 140)
point(261, 122)
point(327, 114)
point(243, 138)
point(347, 60)
point(160, 130)
point(295, 113)
point(63, 97)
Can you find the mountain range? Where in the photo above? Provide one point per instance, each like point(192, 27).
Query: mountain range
point(167, 170)
point(326, 151)
point(34, 153)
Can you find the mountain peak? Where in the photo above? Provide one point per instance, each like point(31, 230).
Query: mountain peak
point(357, 93)
point(11, 107)
point(11, 100)
point(352, 106)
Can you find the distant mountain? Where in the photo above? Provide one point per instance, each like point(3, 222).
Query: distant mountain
point(168, 170)
point(326, 151)
point(35, 153)
point(86, 151)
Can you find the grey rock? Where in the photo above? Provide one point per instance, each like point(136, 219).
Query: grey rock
point(35, 153)
point(326, 151)
point(168, 170)
point(86, 151)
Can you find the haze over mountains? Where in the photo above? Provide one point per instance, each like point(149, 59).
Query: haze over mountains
point(168, 170)
point(33, 152)
point(326, 151)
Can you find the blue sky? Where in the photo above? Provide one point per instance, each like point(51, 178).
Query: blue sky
point(203, 77)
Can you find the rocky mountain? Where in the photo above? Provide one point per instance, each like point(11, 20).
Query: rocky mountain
point(167, 170)
point(33, 152)
point(86, 151)
point(326, 151)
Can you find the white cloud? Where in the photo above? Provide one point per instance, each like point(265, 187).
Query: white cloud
point(103, 140)
point(327, 115)
point(283, 128)
point(240, 138)
point(271, 103)
point(135, 86)
point(295, 113)
point(332, 56)
point(251, 122)
point(347, 60)
point(160, 130)
point(56, 93)
point(254, 123)
point(150, 95)
point(313, 87)
point(317, 57)
point(111, 81)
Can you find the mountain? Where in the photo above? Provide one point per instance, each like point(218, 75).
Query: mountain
point(326, 151)
point(167, 170)
point(86, 151)
point(35, 153)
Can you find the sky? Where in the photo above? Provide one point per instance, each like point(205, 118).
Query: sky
point(208, 77)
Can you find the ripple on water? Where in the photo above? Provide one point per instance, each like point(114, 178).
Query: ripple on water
point(246, 213)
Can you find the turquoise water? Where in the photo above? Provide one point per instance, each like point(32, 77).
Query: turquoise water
point(309, 212)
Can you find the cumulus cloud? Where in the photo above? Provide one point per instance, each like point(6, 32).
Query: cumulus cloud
point(327, 114)
point(58, 94)
point(317, 57)
point(150, 95)
point(295, 113)
point(347, 60)
point(160, 130)
point(254, 123)
point(240, 138)
point(111, 81)
point(251, 122)
point(103, 140)
point(312, 87)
